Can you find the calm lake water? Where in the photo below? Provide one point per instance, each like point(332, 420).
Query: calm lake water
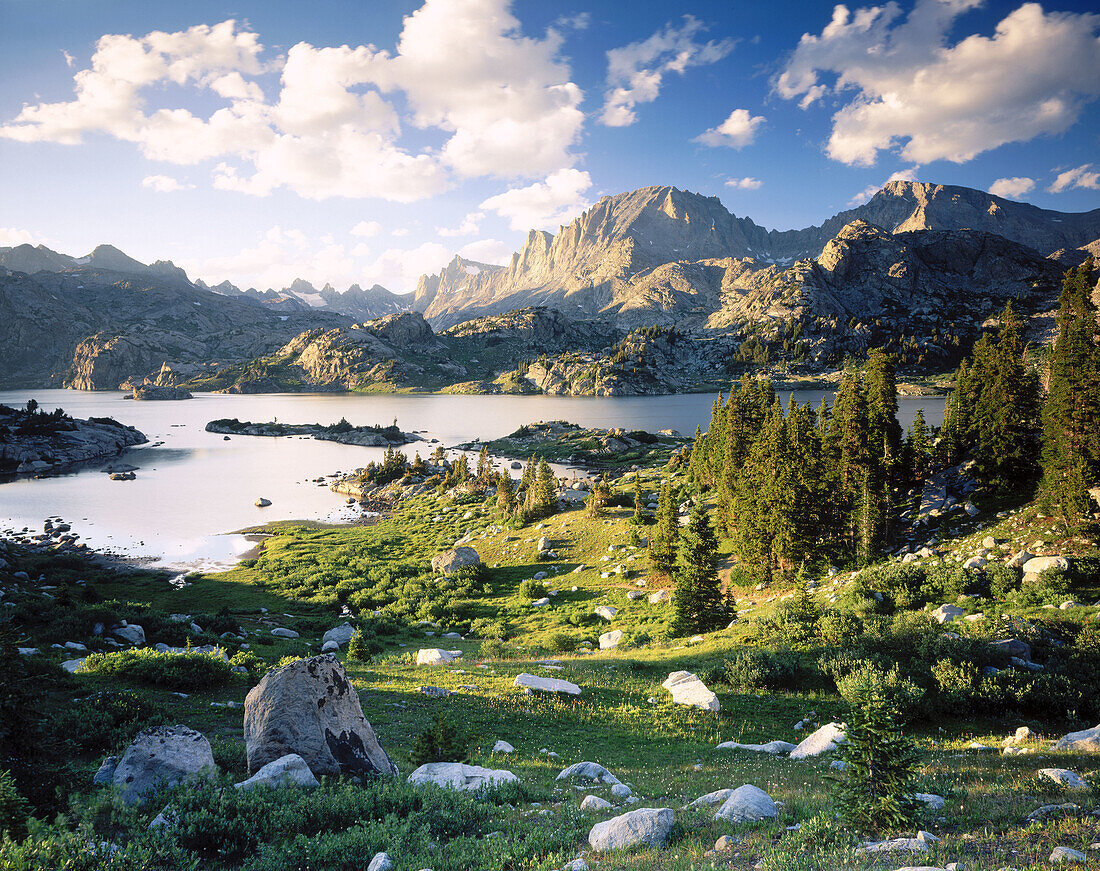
point(195, 490)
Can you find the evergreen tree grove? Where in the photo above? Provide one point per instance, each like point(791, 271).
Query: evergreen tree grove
point(698, 599)
point(662, 544)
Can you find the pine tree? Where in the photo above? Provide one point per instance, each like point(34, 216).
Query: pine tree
point(527, 479)
point(918, 445)
point(698, 592)
point(1071, 415)
point(601, 495)
point(506, 494)
point(662, 545)
point(485, 473)
point(884, 431)
point(546, 489)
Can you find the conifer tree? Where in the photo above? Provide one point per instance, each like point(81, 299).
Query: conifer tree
point(639, 517)
point(546, 489)
point(884, 431)
point(601, 495)
point(484, 466)
point(698, 591)
point(918, 448)
point(662, 545)
point(1071, 415)
point(527, 479)
point(506, 494)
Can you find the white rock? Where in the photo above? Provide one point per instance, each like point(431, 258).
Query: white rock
point(162, 756)
point(775, 748)
point(340, 634)
point(130, 632)
point(330, 647)
point(719, 796)
point(606, 612)
point(645, 826)
point(687, 689)
point(538, 683)
point(380, 862)
point(934, 802)
point(746, 803)
point(824, 740)
point(610, 640)
point(280, 632)
point(1065, 854)
point(289, 770)
point(594, 803)
point(434, 656)
point(503, 747)
point(73, 665)
point(621, 790)
point(659, 597)
point(1065, 777)
point(592, 772)
point(947, 613)
point(1085, 741)
point(1041, 563)
point(457, 775)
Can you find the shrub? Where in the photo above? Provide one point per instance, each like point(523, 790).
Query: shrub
point(13, 807)
point(561, 642)
point(757, 670)
point(108, 720)
point(364, 645)
point(532, 589)
point(875, 789)
point(493, 648)
point(442, 741)
point(175, 671)
point(957, 683)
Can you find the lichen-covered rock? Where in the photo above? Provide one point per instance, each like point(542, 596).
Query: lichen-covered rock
point(162, 756)
point(450, 561)
point(310, 708)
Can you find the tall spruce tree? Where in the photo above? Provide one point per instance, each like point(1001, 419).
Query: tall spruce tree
point(698, 591)
point(1071, 415)
point(506, 494)
point(662, 544)
point(639, 517)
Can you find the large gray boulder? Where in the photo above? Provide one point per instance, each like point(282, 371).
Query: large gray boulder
point(591, 772)
point(130, 632)
point(824, 740)
point(773, 748)
point(450, 561)
point(434, 656)
point(309, 707)
point(747, 803)
point(290, 770)
point(537, 683)
point(645, 826)
point(340, 634)
point(610, 640)
point(1085, 741)
point(1038, 564)
point(457, 775)
point(162, 756)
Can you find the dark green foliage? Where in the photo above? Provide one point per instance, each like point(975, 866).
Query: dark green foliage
point(759, 670)
point(13, 808)
point(1071, 414)
point(175, 671)
point(662, 546)
point(639, 518)
point(698, 592)
point(364, 645)
point(876, 787)
point(598, 501)
point(442, 741)
point(506, 495)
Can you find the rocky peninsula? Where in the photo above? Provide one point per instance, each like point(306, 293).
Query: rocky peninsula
point(34, 442)
point(342, 432)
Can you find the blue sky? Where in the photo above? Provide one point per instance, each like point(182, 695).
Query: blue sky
point(370, 141)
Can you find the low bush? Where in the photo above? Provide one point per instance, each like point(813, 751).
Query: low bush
point(758, 670)
point(442, 741)
point(175, 671)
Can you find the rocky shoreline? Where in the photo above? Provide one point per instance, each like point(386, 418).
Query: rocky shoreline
point(342, 433)
point(36, 443)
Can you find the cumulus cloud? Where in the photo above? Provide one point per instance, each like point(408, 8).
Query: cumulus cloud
point(487, 251)
point(737, 131)
point(69, 59)
point(905, 86)
point(635, 72)
point(366, 229)
point(470, 225)
point(1012, 188)
point(748, 183)
point(507, 109)
point(869, 191)
point(1080, 177)
point(164, 184)
point(12, 236)
point(398, 269)
point(543, 205)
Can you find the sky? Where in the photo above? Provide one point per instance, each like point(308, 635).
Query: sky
point(369, 141)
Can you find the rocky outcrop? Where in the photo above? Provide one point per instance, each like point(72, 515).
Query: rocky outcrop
point(455, 559)
point(456, 775)
point(151, 392)
point(310, 708)
point(344, 433)
point(37, 443)
point(161, 756)
point(648, 827)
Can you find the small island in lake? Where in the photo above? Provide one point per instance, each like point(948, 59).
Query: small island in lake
point(33, 441)
point(342, 432)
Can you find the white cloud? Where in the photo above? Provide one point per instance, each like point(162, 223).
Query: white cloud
point(470, 225)
point(13, 236)
point(578, 21)
point(906, 87)
point(543, 205)
point(400, 231)
point(164, 184)
point(635, 72)
point(1080, 177)
point(398, 269)
point(737, 131)
point(487, 251)
point(869, 191)
point(748, 183)
point(69, 59)
point(506, 108)
point(366, 229)
point(1012, 188)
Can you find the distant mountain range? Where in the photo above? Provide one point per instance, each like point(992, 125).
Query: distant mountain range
point(919, 265)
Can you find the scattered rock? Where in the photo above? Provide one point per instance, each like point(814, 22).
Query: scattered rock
point(457, 775)
point(106, 772)
point(775, 748)
point(450, 561)
point(933, 802)
point(535, 683)
point(162, 756)
point(282, 632)
point(947, 613)
point(645, 826)
point(1065, 854)
point(610, 640)
point(592, 772)
point(1064, 776)
point(434, 656)
point(606, 612)
point(687, 689)
point(594, 803)
point(289, 770)
point(380, 862)
point(824, 740)
point(130, 632)
point(340, 634)
point(746, 803)
point(1085, 741)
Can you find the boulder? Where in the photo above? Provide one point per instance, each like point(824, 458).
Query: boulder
point(503, 747)
point(1085, 741)
point(1065, 854)
point(687, 689)
point(719, 796)
point(434, 656)
point(646, 826)
point(1065, 777)
point(606, 612)
point(1038, 564)
point(932, 802)
point(106, 772)
point(610, 640)
point(824, 740)
point(262, 502)
point(72, 666)
point(310, 708)
point(450, 561)
point(1020, 559)
point(340, 634)
point(330, 647)
point(659, 597)
point(621, 790)
point(747, 803)
point(131, 632)
point(591, 772)
point(380, 862)
point(775, 748)
point(162, 756)
point(289, 770)
point(947, 613)
point(282, 632)
point(457, 775)
point(594, 803)
point(1013, 647)
point(535, 683)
